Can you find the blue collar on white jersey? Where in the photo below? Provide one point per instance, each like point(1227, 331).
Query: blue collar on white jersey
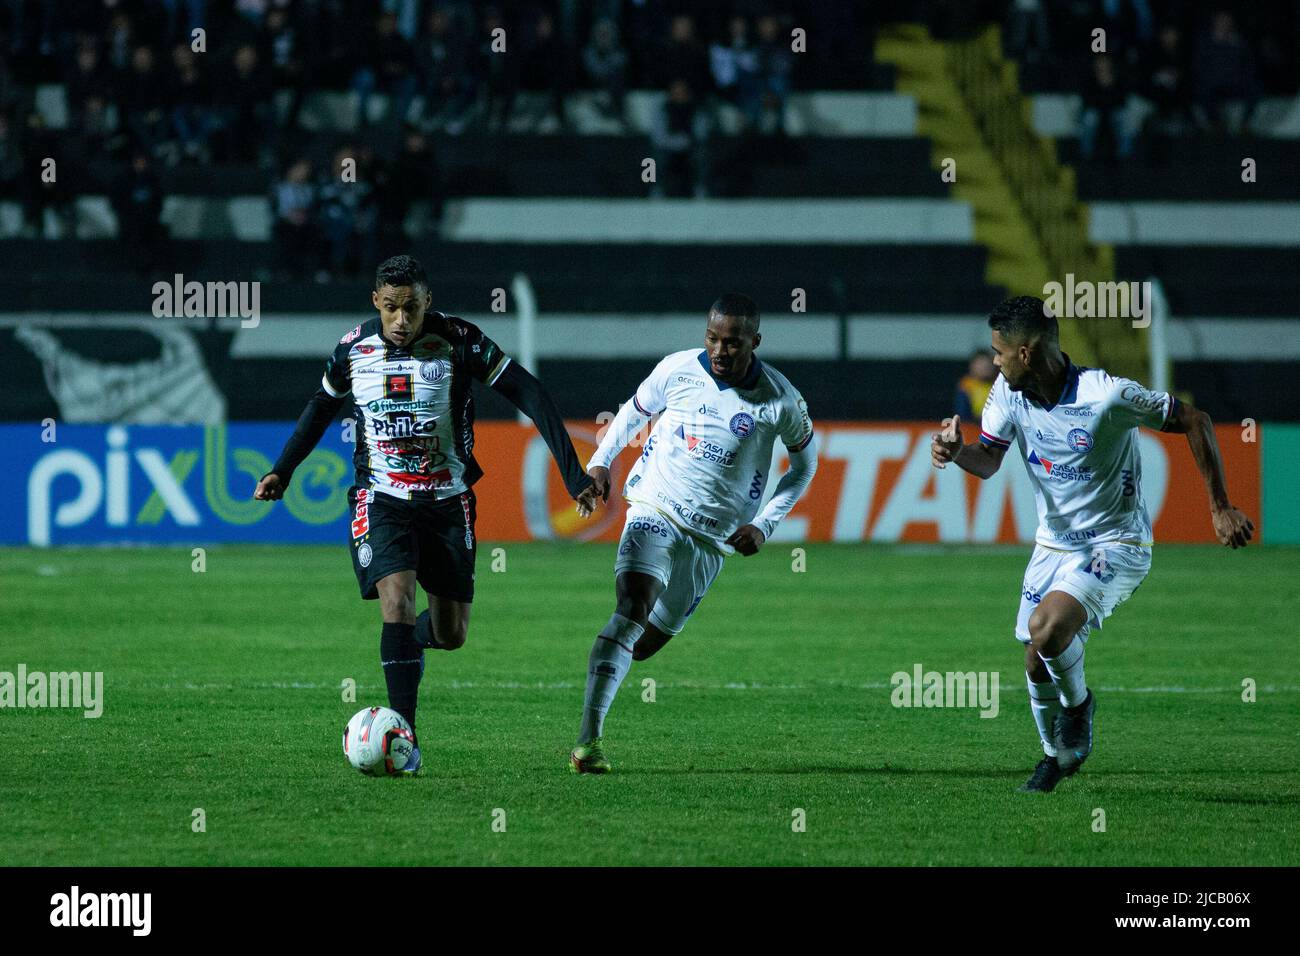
point(748, 382)
point(1071, 390)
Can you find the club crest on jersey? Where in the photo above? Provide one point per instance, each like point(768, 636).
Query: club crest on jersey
point(1079, 439)
point(364, 555)
point(742, 423)
point(433, 370)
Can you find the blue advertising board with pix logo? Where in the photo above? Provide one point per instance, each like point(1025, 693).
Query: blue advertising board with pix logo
point(166, 484)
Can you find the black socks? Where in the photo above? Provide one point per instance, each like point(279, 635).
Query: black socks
point(400, 656)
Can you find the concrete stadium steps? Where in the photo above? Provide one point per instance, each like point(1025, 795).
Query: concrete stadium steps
point(595, 166)
point(1015, 261)
point(576, 277)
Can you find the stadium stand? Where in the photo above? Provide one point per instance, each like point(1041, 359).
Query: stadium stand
point(776, 171)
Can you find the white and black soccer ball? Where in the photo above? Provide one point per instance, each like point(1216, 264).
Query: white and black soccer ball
point(378, 741)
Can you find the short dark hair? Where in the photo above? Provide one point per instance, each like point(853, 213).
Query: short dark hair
point(399, 271)
point(738, 305)
point(1024, 317)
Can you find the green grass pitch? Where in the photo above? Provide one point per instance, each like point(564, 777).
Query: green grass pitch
point(222, 693)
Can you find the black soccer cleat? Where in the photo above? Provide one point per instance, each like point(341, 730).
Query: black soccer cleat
point(1074, 734)
point(1044, 778)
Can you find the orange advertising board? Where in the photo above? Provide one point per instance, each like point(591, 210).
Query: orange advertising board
point(874, 483)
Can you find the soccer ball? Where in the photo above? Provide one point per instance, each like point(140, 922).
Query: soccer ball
point(378, 741)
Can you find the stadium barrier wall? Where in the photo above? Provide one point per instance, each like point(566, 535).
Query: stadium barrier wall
point(191, 485)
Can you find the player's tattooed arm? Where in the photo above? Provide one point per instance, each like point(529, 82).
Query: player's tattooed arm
point(1231, 526)
point(979, 459)
point(313, 421)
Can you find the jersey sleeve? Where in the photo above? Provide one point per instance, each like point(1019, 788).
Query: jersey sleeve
point(997, 428)
point(794, 425)
point(337, 380)
point(484, 357)
point(651, 396)
point(1134, 404)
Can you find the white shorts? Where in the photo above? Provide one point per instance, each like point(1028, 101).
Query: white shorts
point(1101, 579)
point(686, 565)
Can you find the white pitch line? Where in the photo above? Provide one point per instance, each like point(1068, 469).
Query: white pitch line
point(571, 685)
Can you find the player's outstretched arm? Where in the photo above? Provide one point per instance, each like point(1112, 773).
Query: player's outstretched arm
point(313, 421)
point(747, 539)
point(526, 393)
point(979, 459)
point(1231, 526)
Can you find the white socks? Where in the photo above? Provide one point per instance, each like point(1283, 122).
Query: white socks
point(611, 656)
point(1066, 669)
point(1045, 703)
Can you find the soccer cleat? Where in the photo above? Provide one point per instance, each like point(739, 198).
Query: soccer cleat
point(589, 758)
point(1074, 734)
point(412, 763)
point(1044, 778)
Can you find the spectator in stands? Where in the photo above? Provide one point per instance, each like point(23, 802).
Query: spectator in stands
point(1028, 35)
point(685, 58)
point(138, 201)
point(44, 192)
point(282, 51)
point(775, 66)
point(388, 68)
point(500, 73)
point(546, 66)
point(605, 65)
point(87, 77)
point(1167, 85)
point(409, 184)
point(1104, 111)
point(678, 136)
point(11, 161)
point(641, 27)
point(182, 17)
point(247, 114)
point(974, 387)
point(347, 214)
point(447, 79)
point(192, 117)
point(120, 42)
point(293, 203)
point(735, 69)
point(142, 106)
point(1227, 86)
point(88, 85)
point(1129, 26)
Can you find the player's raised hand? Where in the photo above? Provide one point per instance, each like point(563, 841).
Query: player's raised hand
point(746, 539)
point(270, 488)
point(945, 445)
point(1232, 527)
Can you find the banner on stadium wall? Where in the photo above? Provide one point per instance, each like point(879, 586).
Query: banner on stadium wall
point(182, 484)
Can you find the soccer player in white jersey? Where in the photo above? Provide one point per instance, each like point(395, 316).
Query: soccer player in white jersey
point(1076, 429)
point(694, 495)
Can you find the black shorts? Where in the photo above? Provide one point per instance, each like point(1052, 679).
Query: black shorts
point(435, 539)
